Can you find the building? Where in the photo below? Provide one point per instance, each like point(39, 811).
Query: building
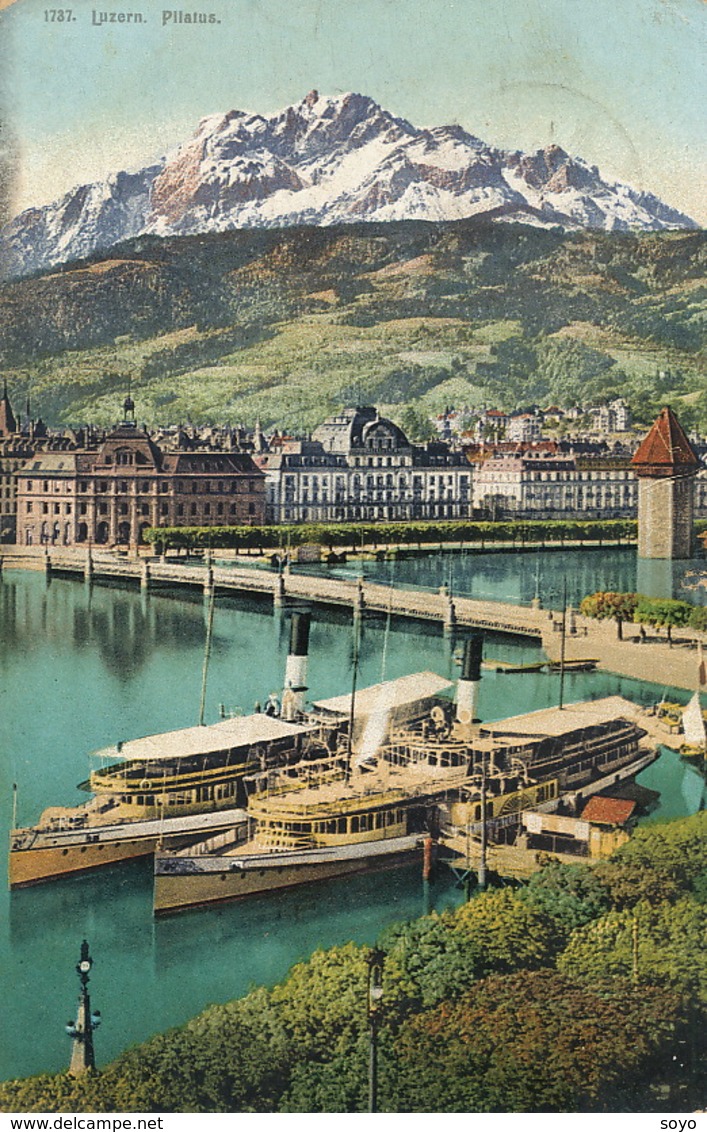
point(359, 466)
point(110, 494)
point(540, 486)
point(666, 466)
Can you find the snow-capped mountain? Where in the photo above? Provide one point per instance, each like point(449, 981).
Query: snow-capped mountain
point(326, 161)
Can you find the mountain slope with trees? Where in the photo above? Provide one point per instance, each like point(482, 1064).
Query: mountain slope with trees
point(288, 324)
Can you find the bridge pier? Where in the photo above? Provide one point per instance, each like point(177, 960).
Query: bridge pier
point(358, 600)
point(450, 616)
point(278, 593)
point(209, 582)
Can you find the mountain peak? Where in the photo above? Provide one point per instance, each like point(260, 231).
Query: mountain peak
point(328, 159)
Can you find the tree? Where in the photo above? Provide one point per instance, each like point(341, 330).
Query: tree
point(439, 957)
point(662, 944)
point(571, 895)
point(539, 1041)
point(659, 864)
point(620, 607)
point(664, 612)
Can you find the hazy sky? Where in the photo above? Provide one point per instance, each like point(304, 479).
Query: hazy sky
point(619, 82)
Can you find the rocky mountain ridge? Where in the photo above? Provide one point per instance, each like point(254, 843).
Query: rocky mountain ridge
point(325, 161)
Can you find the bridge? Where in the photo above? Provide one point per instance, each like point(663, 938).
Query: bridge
point(653, 660)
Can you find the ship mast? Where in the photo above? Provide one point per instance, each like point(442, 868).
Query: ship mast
point(352, 710)
point(207, 655)
point(562, 643)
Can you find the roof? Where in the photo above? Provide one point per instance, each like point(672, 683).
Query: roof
point(54, 463)
point(607, 811)
point(557, 721)
point(400, 693)
point(665, 449)
point(242, 731)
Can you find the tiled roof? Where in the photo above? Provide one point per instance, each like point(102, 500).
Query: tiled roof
point(608, 811)
point(665, 448)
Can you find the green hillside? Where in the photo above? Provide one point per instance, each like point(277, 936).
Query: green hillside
point(289, 324)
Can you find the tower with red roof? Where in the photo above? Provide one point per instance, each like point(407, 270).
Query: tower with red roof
point(665, 465)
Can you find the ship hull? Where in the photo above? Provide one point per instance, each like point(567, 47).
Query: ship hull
point(226, 880)
point(36, 857)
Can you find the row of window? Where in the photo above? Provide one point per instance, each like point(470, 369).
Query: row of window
point(205, 487)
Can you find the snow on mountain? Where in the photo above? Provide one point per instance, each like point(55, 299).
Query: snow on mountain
point(325, 161)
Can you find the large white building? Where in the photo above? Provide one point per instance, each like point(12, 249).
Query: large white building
point(553, 487)
point(359, 466)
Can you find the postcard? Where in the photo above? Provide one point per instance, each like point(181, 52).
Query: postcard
point(353, 465)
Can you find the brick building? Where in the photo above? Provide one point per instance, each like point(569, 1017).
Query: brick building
point(111, 494)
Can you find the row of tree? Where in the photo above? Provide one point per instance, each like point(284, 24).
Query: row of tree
point(667, 613)
point(357, 535)
point(583, 990)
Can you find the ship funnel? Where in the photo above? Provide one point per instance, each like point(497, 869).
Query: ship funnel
point(296, 666)
point(468, 683)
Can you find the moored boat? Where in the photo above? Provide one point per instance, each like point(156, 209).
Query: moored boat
point(693, 726)
point(316, 821)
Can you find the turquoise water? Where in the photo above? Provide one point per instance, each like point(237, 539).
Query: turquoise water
point(519, 577)
point(82, 667)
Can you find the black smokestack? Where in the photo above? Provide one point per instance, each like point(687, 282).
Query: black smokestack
point(299, 634)
point(473, 653)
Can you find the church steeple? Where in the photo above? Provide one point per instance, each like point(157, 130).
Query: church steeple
point(8, 424)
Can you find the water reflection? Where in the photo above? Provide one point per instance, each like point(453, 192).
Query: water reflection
point(81, 667)
point(521, 577)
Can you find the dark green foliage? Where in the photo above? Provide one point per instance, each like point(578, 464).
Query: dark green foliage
point(645, 944)
point(659, 864)
point(570, 895)
point(540, 1042)
point(662, 612)
point(357, 535)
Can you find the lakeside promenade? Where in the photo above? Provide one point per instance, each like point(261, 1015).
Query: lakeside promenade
point(653, 660)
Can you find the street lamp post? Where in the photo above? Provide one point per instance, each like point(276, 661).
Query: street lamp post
point(81, 1031)
point(376, 958)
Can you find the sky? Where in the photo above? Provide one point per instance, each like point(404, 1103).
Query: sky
point(619, 82)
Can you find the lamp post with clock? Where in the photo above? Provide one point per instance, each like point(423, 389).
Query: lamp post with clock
point(81, 1031)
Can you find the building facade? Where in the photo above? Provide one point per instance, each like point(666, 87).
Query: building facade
point(358, 466)
point(111, 495)
point(553, 487)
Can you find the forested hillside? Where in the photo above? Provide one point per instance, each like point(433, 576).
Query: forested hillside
point(288, 324)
